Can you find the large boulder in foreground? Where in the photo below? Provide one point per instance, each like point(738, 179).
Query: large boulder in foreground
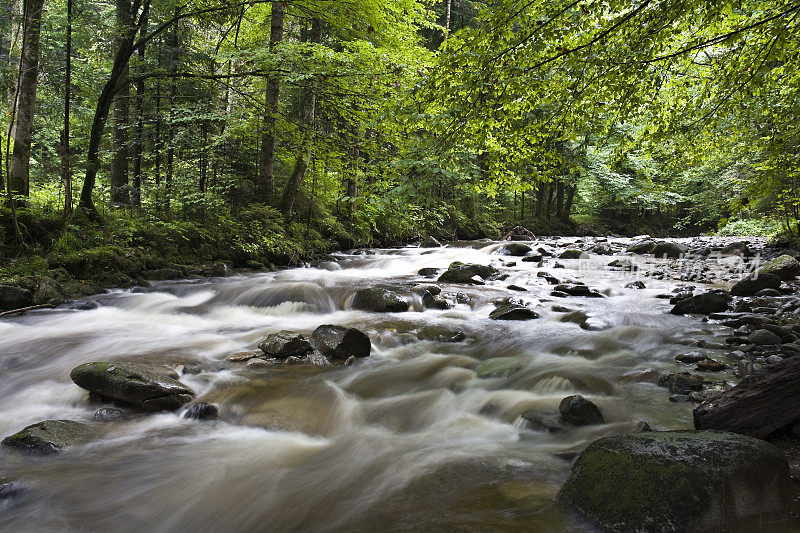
point(338, 342)
point(49, 437)
point(681, 481)
point(378, 300)
point(464, 273)
point(759, 405)
point(132, 384)
point(785, 267)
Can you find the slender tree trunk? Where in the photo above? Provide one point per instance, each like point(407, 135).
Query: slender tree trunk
point(540, 191)
point(307, 112)
point(121, 59)
point(11, 18)
point(568, 203)
point(66, 171)
point(522, 208)
point(352, 180)
point(266, 164)
point(173, 93)
point(549, 209)
point(447, 20)
point(157, 142)
point(136, 191)
point(19, 177)
point(120, 186)
point(559, 199)
point(203, 158)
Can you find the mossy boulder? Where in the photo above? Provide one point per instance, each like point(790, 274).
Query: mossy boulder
point(378, 300)
point(49, 291)
point(463, 273)
point(49, 437)
point(501, 367)
point(515, 249)
point(642, 247)
point(681, 481)
point(571, 253)
point(12, 297)
point(132, 384)
point(785, 267)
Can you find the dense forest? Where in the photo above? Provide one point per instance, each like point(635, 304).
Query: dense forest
point(261, 132)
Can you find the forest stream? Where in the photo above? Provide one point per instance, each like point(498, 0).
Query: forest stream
point(409, 438)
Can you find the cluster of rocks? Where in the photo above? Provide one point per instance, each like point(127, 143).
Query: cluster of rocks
point(327, 343)
point(133, 387)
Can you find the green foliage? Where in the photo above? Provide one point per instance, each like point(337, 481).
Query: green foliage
point(760, 227)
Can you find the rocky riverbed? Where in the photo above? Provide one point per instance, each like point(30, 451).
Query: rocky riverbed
point(417, 388)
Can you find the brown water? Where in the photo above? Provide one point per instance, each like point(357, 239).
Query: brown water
point(409, 439)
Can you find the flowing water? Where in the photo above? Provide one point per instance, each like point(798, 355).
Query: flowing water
point(407, 439)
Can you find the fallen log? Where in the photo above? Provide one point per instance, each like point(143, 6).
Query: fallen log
point(759, 405)
point(26, 309)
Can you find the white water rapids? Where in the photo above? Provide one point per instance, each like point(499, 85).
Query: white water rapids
point(408, 439)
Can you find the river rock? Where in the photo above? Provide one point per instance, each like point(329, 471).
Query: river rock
point(49, 291)
point(785, 267)
point(163, 274)
point(739, 248)
point(680, 481)
point(432, 301)
point(681, 383)
point(703, 304)
point(132, 384)
point(513, 312)
point(642, 247)
point(539, 421)
point(12, 297)
point(572, 253)
point(378, 300)
point(710, 365)
point(750, 285)
point(515, 249)
point(202, 411)
point(285, 344)
point(764, 337)
point(579, 411)
point(690, 358)
point(428, 272)
point(49, 437)
point(667, 249)
point(464, 273)
point(10, 488)
point(430, 242)
point(577, 290)
point(109, 414)
point(338, 342)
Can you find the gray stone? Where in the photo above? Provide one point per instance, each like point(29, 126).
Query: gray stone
point(579, 411)
point(749, 285)
point(285, 344)
point(681, 383)
point(12, 297)
point(572, 253)
point(338, 342)
point(515, 249)
point(704, 304)
point(513, 312)
point(667, 249)
point(378, 300)
point(465, 273)
point(49, 437)
point(202, 411)
point(680, 481)
point(132, 384)
point(764, 337)
point(429, 242)
point(785, 267)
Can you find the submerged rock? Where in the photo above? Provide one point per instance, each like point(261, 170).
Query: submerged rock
point(513, 312)
point(680, 481)
point(49, 437)
point(501, 367)
point(202, 411)
point(285, 344)
point(681, 383)
point(338, 342)
point(132, 384)
point(579, 411)
point(379, 300)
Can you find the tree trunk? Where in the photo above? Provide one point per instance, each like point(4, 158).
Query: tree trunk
point(307, 111)
point(568, 203)
point(136, 190)
point(19, 177)
point(559, 199)
point(352, 180)
point(540, 199)
point(121, 59)
point(266, 164)
point(758, 406)
point(447, 20)
point(120, 194)
point(11, 18)
point(66, 172)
